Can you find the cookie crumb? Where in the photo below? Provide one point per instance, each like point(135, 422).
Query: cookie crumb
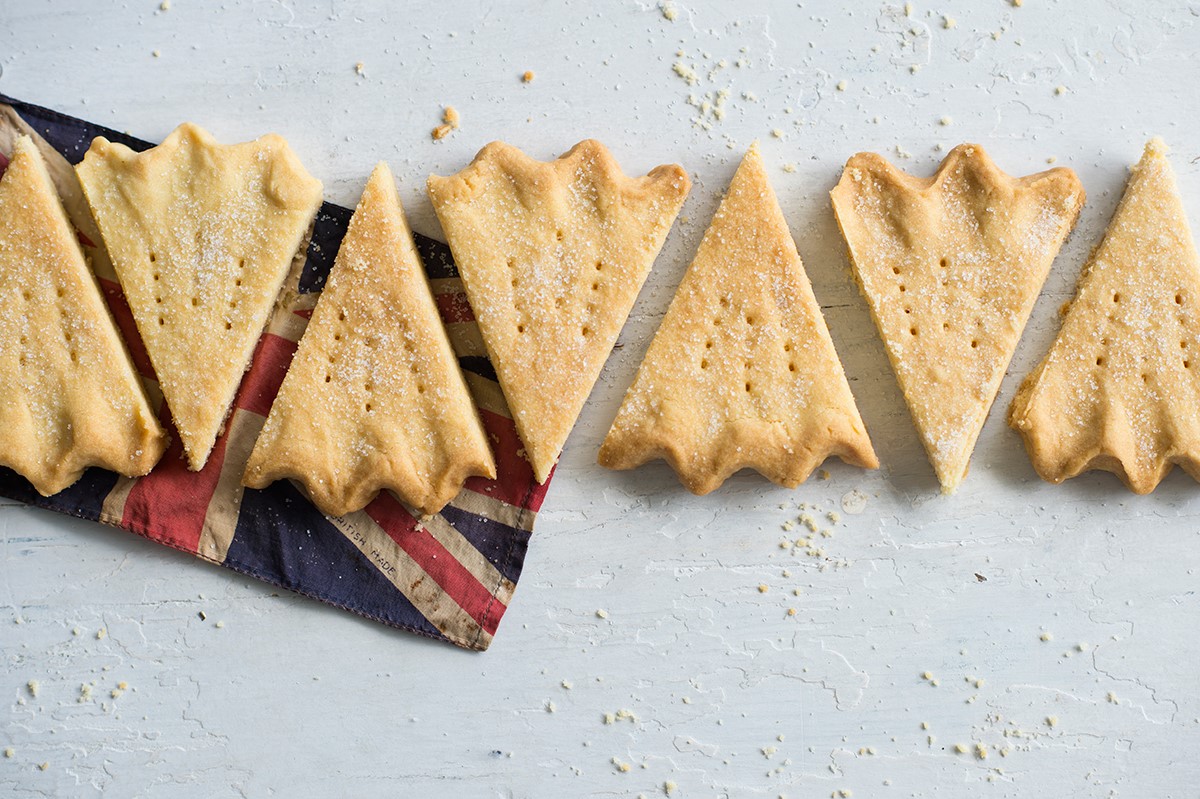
point(34, 686)
point(10, 752)
point(101, 634)
point(165, 5)
point(1051, 721)
point(1060, 89)
point(949, 22)
point(44, 766)
point(360, 68)
point(450, 121)
point(945, 121)
point(841, 85)
point(669, 12)
point(527, 76)
point(601, 614)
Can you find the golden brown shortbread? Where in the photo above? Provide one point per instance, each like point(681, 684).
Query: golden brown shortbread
point(374, 397)
point(69, 395)
point(1119, 389)
point(950, 267)
point(742, 371)
point(202, 236)
point(552, 256)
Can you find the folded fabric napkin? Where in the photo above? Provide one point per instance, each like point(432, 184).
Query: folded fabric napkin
point(450, 577)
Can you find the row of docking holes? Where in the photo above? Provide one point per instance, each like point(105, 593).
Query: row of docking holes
point(68, 336)
point(371, 342)
point(913, 330)
point(750, 321)
point(559, 302)
point(195, 300)
point(1116, 298)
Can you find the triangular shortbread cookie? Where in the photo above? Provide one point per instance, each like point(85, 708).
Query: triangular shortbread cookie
point(374, 397)
point(70, 397)
point(742, 371)
point(951, 267)
point(1120, 388)
point(552, 256)
point(202, 236)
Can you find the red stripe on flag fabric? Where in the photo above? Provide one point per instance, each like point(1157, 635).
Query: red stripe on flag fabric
point(124, 319)
point(427, 552)
point(261, 384)
point(304, 313)
point(173, 493)
point(453, 307)
point(514, 475)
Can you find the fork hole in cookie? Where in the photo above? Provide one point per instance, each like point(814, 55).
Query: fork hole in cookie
point(908, 310)
point(708, 345)
point(704, 363)
point(1117, 296)
point(792, 367)
point(912, 331)
point(558, 235)
point(974, 343)
point(420, 388)
point(902, 287)
point(161, 321)
point(1100, 361)
point(943, 263)
point(895, 270)
point(1187, 364)
point(599, 266)
point(747, 388)
point(520, 328)
point(1179, 299)
point(367, 407)
point(328, 378)
point(153, 258)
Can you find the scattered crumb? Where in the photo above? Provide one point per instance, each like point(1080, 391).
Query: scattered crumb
point(824, 473)
point(101, 634)
point(1082, 647)
point(1060, 89)
point(981, 752)
point(979, 683)
point(669, 12)
point(76, 632)
point(10, 752)
point(34, 686)
point(949, 22)
point(44, 765)
point(527, 76)
point(1112, 697)
point(165, 5)
point(219, 625)
point(791, 611)
point(834, 516)
point(1051, 721)
point(610, 718)
point(360, 68)
point(914, 69)
point(687, 73)
point(1047, 636)
point(566, 684)
point(687, 700)
point(769, 751)
point(961, 748)
point(156, 53)
point(924, 725)
point(621, 767)
point(841, 86)
point(601, 614)
point(944, 121)
point(763, 588)
point(450, 121)
point(925, 675)
point(777, 133)
point(669, 787)
point(550, 708)
point(1018, 3)
point(1051, 159)
point(908, 9)
point(85, 693)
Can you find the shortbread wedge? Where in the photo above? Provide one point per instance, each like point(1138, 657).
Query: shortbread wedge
point(950, 267)
point(374, 397)
point(69, 395)
point(201, 236)
point(1119, 389)
point(742, 372)
point(552, 256)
